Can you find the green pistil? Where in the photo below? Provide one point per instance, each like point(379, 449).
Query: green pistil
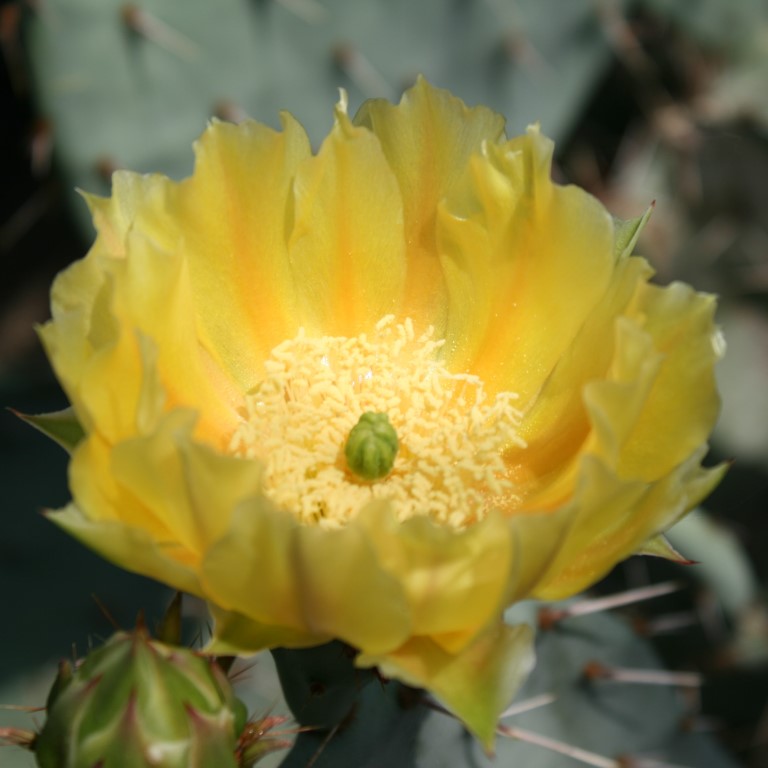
point(371, 446)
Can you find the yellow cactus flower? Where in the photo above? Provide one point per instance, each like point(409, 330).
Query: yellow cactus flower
point(537, 409)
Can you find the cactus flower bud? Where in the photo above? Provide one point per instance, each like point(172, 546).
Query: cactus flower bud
point(138, 702)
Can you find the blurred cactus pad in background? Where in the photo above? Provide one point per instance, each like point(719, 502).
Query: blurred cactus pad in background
point(132, 85)
point(652, 99)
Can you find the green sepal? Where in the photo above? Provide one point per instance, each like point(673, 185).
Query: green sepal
point(723, 564)
point(627, 233)
point(63, 679)
point(659, 546)
point(61, 426)
point(169, 630)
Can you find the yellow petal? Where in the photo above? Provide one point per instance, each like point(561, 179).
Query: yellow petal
point(101, 497)
point(120, 336)
point(347, 243)
point(324, 583)
point(147, 471)
point(134, 195)
point(427, 140)
point(345, 592)
point(682, 406)
point(476, 684)
point(177, 490)
point(264, 587)
point(613, 518)
point(600, 508)
point(556, 425)
point(83, 341)
point(616, 403)
point(154, 294)
point(134, 548)
point(215, 484)
point(520, 289)
point(238, 635)
point(237, 211)
point(454, 581)
point(538, 541)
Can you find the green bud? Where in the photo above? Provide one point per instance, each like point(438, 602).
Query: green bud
point(136, 702)
point(371, 446)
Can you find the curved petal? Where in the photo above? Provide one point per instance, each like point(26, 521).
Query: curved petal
point(454, 581)
point(285, 578)
point(84, 341)
point(427, 139)
point(239, 635)
point(264, 586)
point(163, 482)
point(355, 600)
point(615, 403)
point(128, 328)
point(101, 497)
point(347, 244)
point(153, 294)
point(613, 518)
point(682, 406)
point(190, 487)
point(134, 548)
point(475, 684)
point(215, 485)
point(629, 390)
point(134, 196)
point(237, 214)
point(519, 288)
point(148, 474)
point(556, 424)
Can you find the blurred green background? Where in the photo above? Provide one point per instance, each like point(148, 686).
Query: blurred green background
point(647, 100)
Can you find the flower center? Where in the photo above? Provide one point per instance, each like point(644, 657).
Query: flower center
point(430, 440)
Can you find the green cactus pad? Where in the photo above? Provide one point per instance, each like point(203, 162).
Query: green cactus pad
point(118, 97)
point(366, 722)
point(622, 722)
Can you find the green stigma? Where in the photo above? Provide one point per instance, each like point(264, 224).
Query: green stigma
point(371, 446)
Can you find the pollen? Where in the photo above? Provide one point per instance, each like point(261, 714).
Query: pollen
point(451, 433)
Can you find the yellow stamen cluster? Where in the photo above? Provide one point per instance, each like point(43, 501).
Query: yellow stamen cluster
point(451, 433)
